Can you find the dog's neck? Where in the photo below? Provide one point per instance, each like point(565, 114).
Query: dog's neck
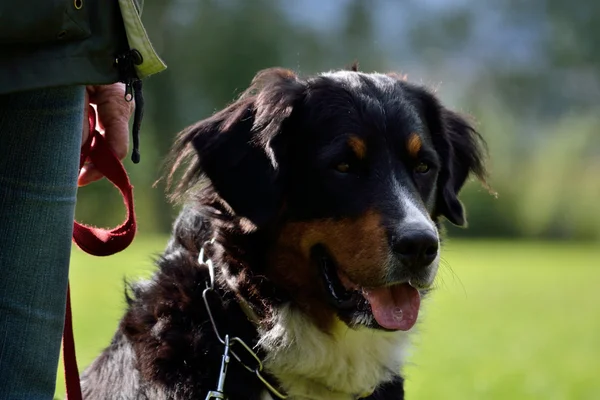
point(308, 363)
point(342, 364)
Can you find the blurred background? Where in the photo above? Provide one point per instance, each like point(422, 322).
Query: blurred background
point(527, 71)
point(517, 313)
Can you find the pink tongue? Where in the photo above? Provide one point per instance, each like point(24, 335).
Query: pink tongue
point(394, 307)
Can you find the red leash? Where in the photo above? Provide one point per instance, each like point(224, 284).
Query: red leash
point(97, 241)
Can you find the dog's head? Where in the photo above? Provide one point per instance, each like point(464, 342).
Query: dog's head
point(348, 174)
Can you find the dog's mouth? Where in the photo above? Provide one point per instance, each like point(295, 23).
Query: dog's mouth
point(393, 307)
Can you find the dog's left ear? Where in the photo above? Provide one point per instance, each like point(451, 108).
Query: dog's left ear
point(461, 149)
point(465, 157)
point(242, 149)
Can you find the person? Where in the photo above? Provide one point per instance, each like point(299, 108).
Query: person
point(55, 56)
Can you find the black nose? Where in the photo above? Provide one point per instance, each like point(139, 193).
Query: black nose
point(417, 248)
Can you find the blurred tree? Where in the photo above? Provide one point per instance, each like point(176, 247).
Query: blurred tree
point(528, 71)
point(538, 56)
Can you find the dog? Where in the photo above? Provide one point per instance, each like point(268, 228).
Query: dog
point(310, 231)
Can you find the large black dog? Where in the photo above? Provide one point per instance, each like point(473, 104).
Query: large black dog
point(318, 202)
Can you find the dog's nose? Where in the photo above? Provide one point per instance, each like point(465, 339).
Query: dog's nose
point(416, 248)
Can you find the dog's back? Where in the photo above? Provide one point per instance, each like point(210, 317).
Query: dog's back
point(114, 375)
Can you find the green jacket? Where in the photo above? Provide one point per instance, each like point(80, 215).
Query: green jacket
point(47, 43)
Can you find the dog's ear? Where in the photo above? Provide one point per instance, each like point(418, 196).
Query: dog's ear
point(461, 149)
point(465, 156)
point(241, 149)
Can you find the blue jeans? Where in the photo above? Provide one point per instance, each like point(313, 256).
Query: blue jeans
point(40, 140)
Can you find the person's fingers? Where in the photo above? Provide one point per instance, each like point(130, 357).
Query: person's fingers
point(88, 174)
point(113, 119)
point(113, 115)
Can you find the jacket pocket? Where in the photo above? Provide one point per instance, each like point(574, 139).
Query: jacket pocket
point(44, 21)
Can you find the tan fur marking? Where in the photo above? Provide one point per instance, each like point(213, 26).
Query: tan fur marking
point(358, 146)
point(359, 247)
point(414, 145)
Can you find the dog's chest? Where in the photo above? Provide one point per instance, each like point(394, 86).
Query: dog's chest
point(344, 365)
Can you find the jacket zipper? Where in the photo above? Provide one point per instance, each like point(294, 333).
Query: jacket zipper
point(125, 64)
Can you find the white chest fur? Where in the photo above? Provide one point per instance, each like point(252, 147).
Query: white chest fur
point(311, 364)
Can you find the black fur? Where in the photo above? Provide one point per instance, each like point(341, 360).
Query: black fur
point(260, 162)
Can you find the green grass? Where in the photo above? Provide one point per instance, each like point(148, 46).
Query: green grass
point(509, 320)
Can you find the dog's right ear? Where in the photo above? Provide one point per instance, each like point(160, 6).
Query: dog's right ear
point(461, 149)
point(241, 149)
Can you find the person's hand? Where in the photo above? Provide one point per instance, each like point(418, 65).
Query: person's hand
point(113, 122)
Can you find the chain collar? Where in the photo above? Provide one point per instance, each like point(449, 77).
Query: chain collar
point(228, 342)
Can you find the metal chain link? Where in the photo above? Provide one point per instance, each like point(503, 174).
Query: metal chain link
point(218, 393)
point(227, 342)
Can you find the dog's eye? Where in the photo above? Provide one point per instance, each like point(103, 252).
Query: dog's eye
point(422, 168)
point(343, 167)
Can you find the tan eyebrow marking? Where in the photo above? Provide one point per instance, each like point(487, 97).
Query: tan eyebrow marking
point(358, 146)
point(414, 145)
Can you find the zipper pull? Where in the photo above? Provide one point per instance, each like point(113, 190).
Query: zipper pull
point(128, 91)
point(125, 64)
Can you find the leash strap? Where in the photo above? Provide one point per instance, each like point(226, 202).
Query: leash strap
point(72, 386)
point(96, 241)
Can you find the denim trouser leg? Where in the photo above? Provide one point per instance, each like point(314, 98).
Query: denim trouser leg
point(40, 139)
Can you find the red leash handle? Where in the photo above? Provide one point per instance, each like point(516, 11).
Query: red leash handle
point(97, 241)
